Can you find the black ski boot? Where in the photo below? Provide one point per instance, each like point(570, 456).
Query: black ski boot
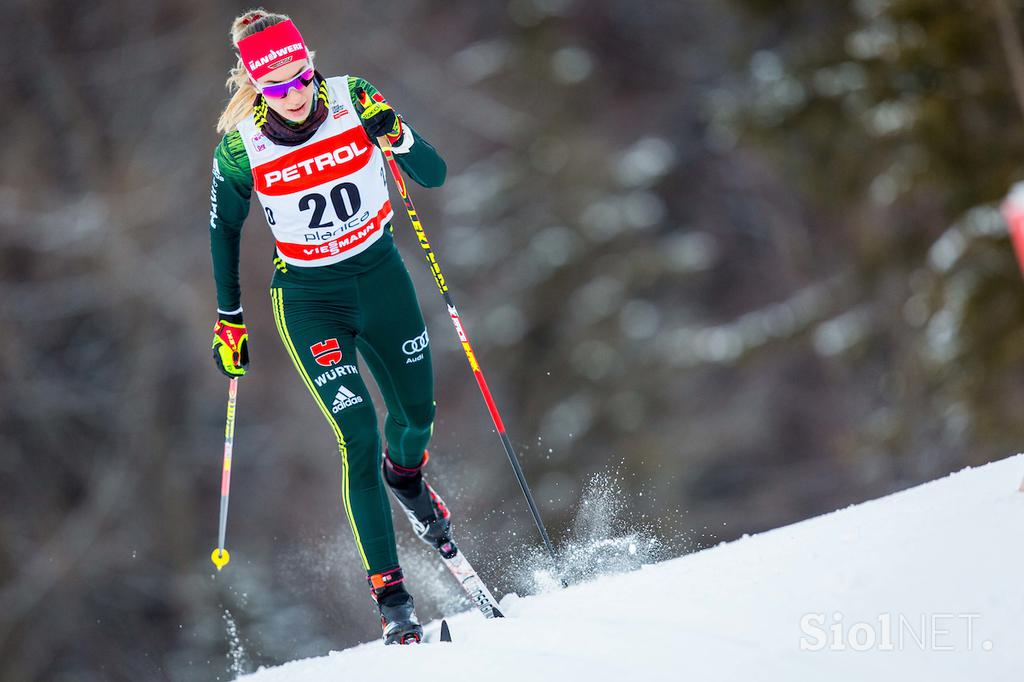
point(427, 512)
point(397, 618)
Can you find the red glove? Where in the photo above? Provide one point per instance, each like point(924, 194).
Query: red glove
point(231, 345)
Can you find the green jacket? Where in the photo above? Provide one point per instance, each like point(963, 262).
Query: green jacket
point(232, 190)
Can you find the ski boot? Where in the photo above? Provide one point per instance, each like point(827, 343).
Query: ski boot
point(398, 620)
point(429, 515)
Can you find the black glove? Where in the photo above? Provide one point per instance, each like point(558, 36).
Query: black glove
point(378, 118)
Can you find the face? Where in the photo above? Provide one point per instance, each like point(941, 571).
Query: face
point(296, 105)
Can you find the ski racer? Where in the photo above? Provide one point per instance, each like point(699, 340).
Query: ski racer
point(307, 145)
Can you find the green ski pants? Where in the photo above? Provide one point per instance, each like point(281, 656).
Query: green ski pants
point(322, 323)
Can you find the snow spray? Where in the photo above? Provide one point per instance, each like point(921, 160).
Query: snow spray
point(236, 652)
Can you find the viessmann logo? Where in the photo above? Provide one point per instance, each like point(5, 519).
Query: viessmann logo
point(321, 162)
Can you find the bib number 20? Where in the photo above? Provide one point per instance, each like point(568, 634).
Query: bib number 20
point(345, 200)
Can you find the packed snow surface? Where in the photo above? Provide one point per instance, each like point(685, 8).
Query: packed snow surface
point(925, 584)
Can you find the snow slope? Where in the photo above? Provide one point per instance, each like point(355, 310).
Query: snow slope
point(925, 584)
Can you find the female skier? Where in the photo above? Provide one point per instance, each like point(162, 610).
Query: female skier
point(308, 146)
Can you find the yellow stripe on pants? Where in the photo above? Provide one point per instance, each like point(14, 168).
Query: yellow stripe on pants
point(277, 300)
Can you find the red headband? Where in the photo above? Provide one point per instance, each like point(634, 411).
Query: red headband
point(272, 48)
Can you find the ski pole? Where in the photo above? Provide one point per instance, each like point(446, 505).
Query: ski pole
point(453, 313)
point(220, 556)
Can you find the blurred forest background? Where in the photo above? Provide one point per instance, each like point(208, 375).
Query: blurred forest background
point(744, 259)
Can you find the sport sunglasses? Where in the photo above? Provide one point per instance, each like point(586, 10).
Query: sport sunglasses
point(280, 90)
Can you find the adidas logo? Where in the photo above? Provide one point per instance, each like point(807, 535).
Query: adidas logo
point(345, 398)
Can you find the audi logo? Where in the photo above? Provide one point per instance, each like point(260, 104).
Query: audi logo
point(417, 345)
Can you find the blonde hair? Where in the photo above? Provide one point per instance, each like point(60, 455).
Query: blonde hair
point(238, 83)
